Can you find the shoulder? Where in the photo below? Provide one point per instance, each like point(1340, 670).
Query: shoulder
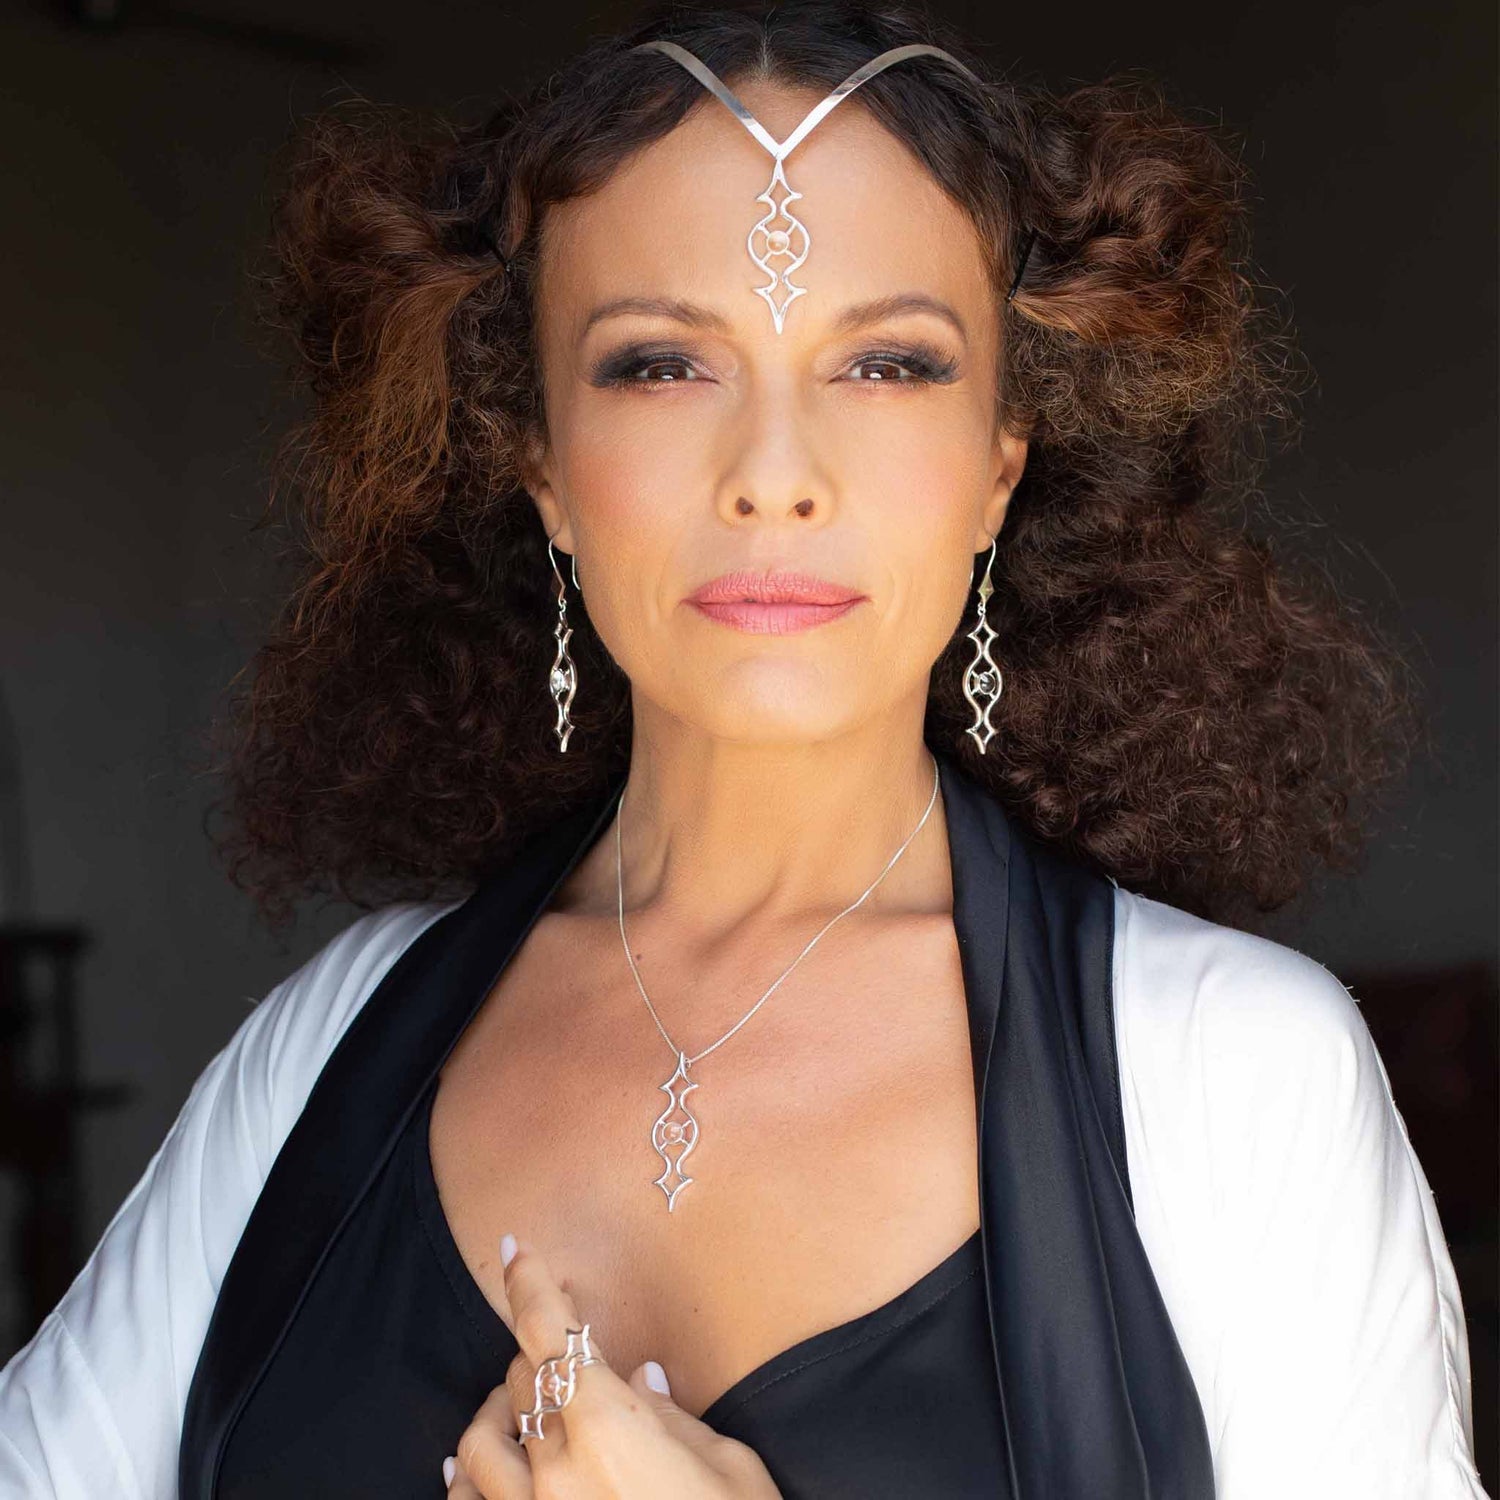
point(1182, 973)
point(93, 1404)
point(295, 1028)
point(1246, 1066)
point(1242, 1061)
point(1287, 1219)
point(1245, 1033)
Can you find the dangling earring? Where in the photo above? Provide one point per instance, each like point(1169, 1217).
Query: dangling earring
point(562, 681)
point(982, 681)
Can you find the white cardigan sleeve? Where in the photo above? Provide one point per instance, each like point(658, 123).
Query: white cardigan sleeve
point(93, 1405)
point(1291, 1227)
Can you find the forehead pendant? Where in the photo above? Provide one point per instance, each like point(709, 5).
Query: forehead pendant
point(779, 235)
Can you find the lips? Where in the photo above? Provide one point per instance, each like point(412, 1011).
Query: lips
point(778, 586)
point(777, 602)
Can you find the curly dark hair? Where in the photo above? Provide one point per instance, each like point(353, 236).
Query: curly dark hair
point(1178, 710)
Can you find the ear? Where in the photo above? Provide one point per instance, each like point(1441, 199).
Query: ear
point(1008, 464)
point(538, 483)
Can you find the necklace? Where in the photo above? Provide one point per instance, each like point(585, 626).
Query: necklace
point(676, 1128)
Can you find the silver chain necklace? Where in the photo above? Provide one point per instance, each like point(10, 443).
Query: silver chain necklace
point(677, 1128)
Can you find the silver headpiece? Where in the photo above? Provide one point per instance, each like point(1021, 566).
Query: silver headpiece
point(780, 234)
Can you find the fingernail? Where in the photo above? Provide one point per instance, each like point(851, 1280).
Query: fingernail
point(507, 1249)
point(656, 1378)
point(449, 1466)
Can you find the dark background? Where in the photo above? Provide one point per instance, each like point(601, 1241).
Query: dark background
point(140, 414)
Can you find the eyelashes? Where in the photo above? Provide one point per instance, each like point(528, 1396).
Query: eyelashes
point(627, 368)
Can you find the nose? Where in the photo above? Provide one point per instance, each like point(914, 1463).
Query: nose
point(773, 471)
point(746, 507)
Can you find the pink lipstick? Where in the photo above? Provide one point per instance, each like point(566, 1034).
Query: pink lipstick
point(773, 603)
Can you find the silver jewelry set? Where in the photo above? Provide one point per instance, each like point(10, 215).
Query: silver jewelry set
point(777, 235)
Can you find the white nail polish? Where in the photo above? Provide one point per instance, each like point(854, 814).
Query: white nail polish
point(656, 1378)
point(449, 1467)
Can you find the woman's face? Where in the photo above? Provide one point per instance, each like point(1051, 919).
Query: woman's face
point(687, 439)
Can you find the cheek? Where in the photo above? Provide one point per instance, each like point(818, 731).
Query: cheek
point(915, 483)
point(633, 522)
point(924, 452)
point(920, 502)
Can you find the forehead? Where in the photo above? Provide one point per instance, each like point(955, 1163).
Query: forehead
point(674, 219)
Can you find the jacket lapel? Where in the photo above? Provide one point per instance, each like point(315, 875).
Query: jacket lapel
point(385, 1060)
point(1097, 1398)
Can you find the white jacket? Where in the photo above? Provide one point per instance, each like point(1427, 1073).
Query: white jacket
point(1288, 1222)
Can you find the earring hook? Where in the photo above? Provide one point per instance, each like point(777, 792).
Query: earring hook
point(994, 542)
point(572, 565)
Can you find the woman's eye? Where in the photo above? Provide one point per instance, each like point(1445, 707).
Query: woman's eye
point(667, 369)
point(637, 370)
point(905, 367)
point(888, 368)
point(908, 367)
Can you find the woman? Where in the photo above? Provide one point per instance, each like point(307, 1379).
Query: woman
point(894, 747)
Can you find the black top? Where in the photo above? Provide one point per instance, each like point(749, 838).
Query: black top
point(326, 1348)
point(396, 1347)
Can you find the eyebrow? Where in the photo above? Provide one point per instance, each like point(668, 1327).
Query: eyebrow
point(856, 315)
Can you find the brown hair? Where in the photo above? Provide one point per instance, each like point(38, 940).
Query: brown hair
point(1177, 710)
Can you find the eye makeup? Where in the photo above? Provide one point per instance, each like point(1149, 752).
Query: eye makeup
point(627, 368)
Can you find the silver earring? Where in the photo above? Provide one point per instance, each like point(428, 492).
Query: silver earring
point(562, 681)
point(982, 681)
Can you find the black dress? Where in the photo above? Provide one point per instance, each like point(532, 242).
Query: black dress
point(396, 1347)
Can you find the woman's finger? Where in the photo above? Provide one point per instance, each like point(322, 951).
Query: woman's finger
point(460, 1486)
point(541, 1314)
point(489, 1459)
point(541, 1311)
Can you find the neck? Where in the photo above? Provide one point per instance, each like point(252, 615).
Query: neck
point(723, 837)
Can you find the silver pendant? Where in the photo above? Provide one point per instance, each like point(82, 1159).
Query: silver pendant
point(675, 1130)
point(790, 238)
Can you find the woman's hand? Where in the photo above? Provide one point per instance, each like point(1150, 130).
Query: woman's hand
point(615, 1440)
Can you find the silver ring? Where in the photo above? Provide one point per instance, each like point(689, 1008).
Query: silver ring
point(557, 1379)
